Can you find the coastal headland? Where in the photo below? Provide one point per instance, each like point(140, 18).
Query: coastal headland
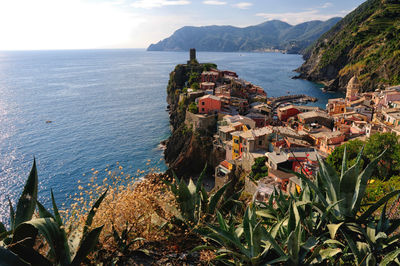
point(231, 125)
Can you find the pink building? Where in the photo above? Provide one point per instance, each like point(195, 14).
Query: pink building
point(209, 104)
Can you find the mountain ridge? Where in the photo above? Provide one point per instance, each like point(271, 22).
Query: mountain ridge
point(269, 35)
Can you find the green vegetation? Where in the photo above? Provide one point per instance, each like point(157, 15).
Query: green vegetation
point(25, 230)
point(365, 43)
point(259, 169)
point(195, 86)
point(376, 144)
point(193, 108)
point(326, 223)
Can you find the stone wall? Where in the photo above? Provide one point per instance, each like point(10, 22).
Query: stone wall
point(199, 122)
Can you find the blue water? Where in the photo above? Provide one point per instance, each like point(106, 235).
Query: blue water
point(107, 106)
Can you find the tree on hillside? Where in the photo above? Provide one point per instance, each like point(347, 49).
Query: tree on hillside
point(389, 164)
point(353, 147)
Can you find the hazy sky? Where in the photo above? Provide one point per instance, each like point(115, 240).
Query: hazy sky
point(85, 24)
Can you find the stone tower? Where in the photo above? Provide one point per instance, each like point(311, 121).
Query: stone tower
point(192, 54)
point(353, 88)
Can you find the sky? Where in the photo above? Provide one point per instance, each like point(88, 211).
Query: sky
point(102, 24)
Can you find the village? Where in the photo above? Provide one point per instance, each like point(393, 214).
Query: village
point(250, 128)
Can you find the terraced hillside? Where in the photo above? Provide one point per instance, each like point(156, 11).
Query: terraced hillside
point(366, 44)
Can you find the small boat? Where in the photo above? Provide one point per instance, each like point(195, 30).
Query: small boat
point(49, 121)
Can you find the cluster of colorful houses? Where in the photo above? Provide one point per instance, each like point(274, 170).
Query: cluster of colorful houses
point(290, 137)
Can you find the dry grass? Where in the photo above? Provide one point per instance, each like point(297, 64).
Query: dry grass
point(145, 208)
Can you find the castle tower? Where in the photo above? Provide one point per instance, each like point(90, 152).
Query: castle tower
point(353, 88)
point(192, 54)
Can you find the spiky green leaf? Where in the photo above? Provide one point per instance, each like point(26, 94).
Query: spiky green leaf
point(27, 202)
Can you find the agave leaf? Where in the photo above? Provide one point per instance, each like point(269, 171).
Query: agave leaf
point(293, 245)
point(313, 258)
point(333, 242)
point(43, 213)
point(344, 162)
point(371, 232)
point(333, 229)
point(361, 185)
point(192, 187)
point(395, 223)
point(376, 205)
point(274, 244)
point(266, 213)
point(347, 187)
point(353, 247)
point(248, 231)
point(370, 260)
point(314, 188)
point(229, 238)
point(49, 228)
point(383, 222)
point(222, 222)
point(8, 258)
point(12, 214)
point(57, 216)
point(215, 198)
point(92, 213)
point(332, 181)
point(186, 201)
point(203, 247)
point(2, 228)
point(278, 260)
point(27, 202)
point(87, 245)
point(329, 253)
point(199, 182)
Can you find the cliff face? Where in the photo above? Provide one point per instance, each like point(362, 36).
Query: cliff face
point(187, 152)
point(365, 44)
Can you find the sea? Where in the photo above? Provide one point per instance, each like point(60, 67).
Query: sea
point(80, 112)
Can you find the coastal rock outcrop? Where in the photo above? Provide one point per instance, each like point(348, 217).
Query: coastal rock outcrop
point(187, 151)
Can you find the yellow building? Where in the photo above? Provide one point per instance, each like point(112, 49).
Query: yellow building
point(236, 146)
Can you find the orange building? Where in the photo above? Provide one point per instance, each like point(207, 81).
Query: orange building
point(336, 106)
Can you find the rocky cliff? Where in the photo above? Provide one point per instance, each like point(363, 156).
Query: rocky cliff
point(365, 44)
point(187, 151)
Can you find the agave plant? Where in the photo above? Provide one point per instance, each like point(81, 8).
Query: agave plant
point(194, 202)
point(20, 240)
point(25, 207)
point(324, 223)
point(251, 242)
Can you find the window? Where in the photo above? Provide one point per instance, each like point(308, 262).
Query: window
point(202, 103)
point(202, 109)
point(260, 142)
point(236, 141)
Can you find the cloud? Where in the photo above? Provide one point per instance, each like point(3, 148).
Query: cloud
point(326, 5)
point(298, 17)
point(148, 4)
point(243, 5)
point(215, 3)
